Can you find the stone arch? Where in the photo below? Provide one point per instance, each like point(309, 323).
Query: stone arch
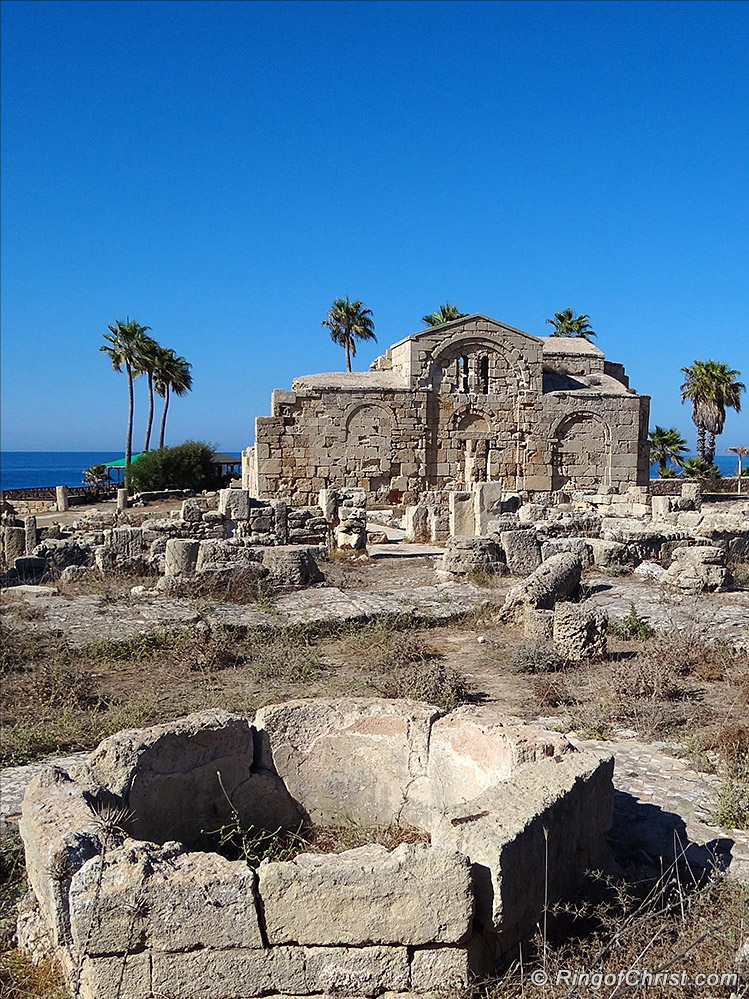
point(580, 451)
point(369, 430)
point(357, 412)
point(477, 347)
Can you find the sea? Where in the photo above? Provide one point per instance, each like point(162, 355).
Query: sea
point(29, 469)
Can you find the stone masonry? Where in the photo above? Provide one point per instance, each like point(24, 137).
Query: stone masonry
point(470, 401)
point(125, 897)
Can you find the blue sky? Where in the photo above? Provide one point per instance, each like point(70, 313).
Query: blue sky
point(221, 171)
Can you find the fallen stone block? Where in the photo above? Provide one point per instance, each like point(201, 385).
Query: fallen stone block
point(522, 551)
point(555, 579)
point(580, 631)
point(698, 569)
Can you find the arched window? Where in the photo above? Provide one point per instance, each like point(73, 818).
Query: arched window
point(484, 374)
point(464, 374)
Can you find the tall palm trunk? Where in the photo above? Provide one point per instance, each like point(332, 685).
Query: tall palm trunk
point(163, 416)
point(710, 447)
point(701, 448)
point(348, 355)
point(129, 442)
point(149, 424)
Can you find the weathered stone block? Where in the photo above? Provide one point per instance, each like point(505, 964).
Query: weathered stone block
point(414, 895)
point(191, 511)
point(181, 557)
point(522, 551)
point(165, 899)
point(442, 970)
point(177, 766)
point(292, 566)
point(580, 631)
point(347, 757)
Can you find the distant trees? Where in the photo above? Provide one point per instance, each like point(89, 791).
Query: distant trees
point(565, 323)
point(171, 374)
point(187, 466)
point(445, 314)
point(125, 344)
point(128, 346)
point(666, 445)
point(97, 476)
point(348, 322)
point(710, 386)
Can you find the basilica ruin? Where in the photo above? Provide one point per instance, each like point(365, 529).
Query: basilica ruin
point(466, 402)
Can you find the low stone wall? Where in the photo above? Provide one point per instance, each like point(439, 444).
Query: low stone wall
point(123, 898)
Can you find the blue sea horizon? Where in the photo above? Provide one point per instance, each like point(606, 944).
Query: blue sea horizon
point(36, 469)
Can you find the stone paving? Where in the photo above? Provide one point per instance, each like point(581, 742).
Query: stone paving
point(664, 806)
point(84, 619)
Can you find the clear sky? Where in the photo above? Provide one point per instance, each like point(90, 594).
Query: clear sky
point(222, 171)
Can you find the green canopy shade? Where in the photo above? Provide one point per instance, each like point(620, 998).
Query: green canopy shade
point(120, 462)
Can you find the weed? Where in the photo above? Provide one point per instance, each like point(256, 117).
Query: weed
point(484, 579)
point(283, 655)
point(633, 626)
point(685, 926)
point(12, 882)
point(591, 720)
point(540, 657)
point(551, 691)
point(407, 668)
point(348, 835)
point(740, 573)
point(150, 646)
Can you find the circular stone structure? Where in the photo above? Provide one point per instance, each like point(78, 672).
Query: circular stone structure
point(125, 895)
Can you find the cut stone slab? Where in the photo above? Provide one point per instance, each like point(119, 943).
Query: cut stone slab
point(165, 899)
point(502, 833)
point(347, 757)
point(414, 895)
point(168, 774)
point(218, 974)
point(440, 969)
point(477, 747)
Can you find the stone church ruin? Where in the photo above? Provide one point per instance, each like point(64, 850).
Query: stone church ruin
point(467, 402)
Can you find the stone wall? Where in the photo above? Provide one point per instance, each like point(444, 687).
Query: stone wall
point(470, 401)
point(123, 897)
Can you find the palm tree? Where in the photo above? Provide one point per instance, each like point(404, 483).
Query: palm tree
point(444, 314)
point(666, 445)
point(698, 468)
point(147, 361)
point(710, 386)
point(125, 344)
point(171, 374)
point(349, 322)
point(565, 323)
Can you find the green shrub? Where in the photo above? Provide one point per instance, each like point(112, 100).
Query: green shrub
point(634, 625)
point(539, 658)
point(187, 466)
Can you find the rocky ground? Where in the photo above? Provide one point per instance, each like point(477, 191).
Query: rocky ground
point(671, 702)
